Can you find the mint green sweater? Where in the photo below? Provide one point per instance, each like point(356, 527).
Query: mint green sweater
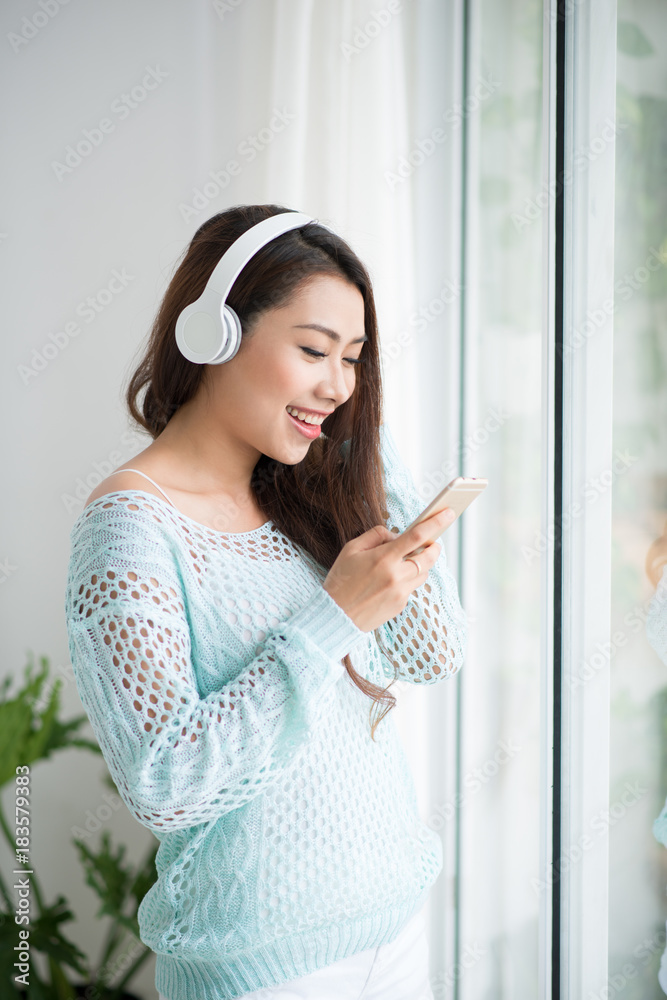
point(209, 665)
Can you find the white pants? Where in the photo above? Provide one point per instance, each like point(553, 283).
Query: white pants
point(396, 971)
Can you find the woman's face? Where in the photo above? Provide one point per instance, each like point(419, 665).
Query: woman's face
point(285, 362)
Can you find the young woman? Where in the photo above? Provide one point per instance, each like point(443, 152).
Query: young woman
point(237, 602)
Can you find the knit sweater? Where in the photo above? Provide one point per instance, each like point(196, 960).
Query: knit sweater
point(209, 665)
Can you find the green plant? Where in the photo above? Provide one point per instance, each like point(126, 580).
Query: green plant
point(31, 731)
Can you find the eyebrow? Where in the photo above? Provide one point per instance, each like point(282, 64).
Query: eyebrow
point(325, 329)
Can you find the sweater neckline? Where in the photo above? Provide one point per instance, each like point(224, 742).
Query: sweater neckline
point(184, 517)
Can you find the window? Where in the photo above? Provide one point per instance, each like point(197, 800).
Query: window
point(555, 886)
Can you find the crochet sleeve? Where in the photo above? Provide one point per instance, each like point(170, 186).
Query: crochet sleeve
point(427, 640)
point(179, 759)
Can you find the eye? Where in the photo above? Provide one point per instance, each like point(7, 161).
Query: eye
point(320, 354)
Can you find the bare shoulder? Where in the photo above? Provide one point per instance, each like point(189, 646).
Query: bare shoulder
point(122, 480)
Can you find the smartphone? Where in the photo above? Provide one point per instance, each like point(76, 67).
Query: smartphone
point(457, 495)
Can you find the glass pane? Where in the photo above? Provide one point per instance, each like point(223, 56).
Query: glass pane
point(500, 717)
point(638, 782)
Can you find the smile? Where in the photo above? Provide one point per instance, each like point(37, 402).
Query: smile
point(305, 415)
point(309, 430)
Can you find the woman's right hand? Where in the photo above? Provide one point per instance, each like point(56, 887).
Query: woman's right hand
point(372, 581)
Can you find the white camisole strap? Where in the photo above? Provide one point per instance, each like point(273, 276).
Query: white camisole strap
point(149, 480)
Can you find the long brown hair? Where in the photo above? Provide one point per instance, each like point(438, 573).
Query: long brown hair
point(328, 498)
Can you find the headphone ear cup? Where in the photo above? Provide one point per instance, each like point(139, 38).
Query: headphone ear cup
point(208, 331)
point(230, 332)
point(232, 335)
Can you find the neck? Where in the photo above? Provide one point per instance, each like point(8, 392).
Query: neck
point(197, 446)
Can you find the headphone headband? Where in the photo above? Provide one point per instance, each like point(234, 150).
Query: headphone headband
point(208, 331)
point(246, 246)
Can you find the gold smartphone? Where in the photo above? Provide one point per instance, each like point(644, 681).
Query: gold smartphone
point(457, 495)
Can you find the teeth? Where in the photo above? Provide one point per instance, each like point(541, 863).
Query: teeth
point(306, 417)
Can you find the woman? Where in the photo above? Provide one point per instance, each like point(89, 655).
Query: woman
point(217, 597)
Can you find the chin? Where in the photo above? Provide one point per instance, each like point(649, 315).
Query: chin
point(288, 456)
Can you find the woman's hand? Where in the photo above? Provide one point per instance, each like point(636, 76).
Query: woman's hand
point(371, 580)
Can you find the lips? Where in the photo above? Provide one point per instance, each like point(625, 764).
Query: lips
point(311, 431)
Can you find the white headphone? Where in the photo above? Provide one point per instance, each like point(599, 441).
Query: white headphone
point(208, 332)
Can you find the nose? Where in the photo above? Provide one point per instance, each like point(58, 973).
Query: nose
point(335, 384)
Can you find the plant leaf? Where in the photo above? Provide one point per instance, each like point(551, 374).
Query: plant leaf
point(105, 874)
point(47, 937)
point(28, 732)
